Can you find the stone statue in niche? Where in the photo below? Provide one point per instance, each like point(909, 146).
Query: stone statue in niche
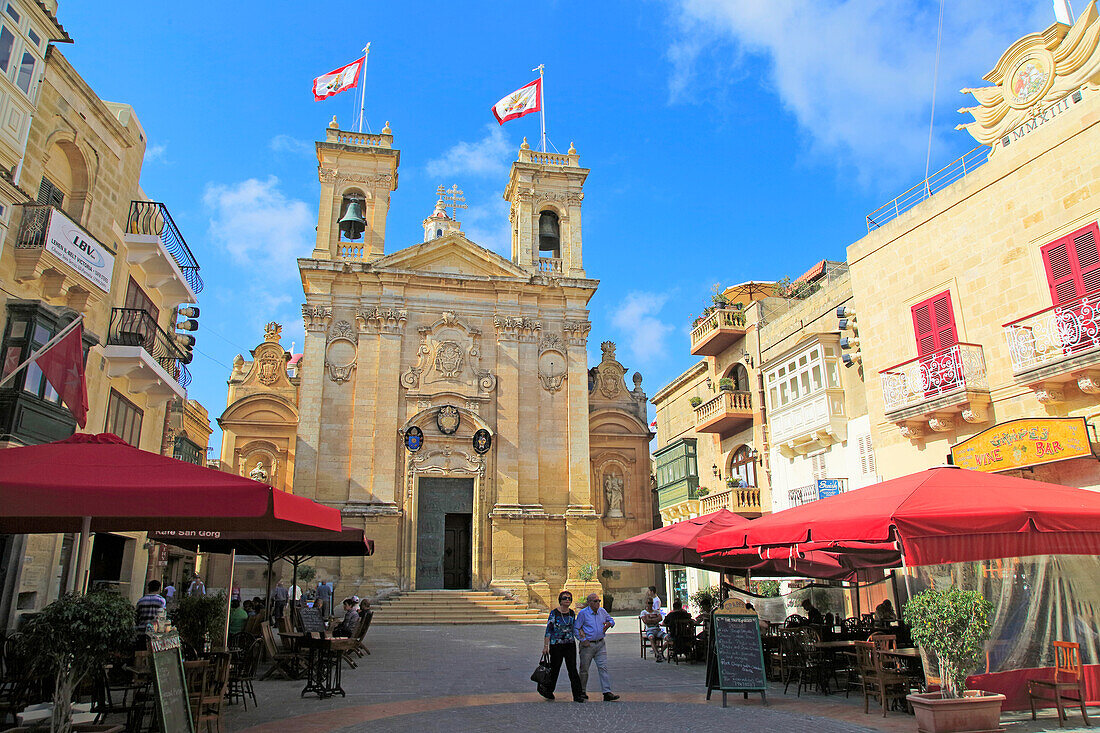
point(613, 491)
point(258, 473)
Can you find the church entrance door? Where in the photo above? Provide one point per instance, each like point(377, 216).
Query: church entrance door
point(457, 551)
point(444, 517)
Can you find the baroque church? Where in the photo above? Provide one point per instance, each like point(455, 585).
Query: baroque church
point(443, 399)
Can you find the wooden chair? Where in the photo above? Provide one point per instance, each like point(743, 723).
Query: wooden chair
point(244, 672)
point(681, 640)
point(1068, 683)
point(884, 641)
point(213, 695)
point(877, 681)
point(196, 673)
point(364, 625)
point(281, 661)
point(641, 637)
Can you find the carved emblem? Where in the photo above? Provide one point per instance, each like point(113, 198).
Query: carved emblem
point(448, 359)
point(268, 371)
point(414, 439)
point(272, 331)
point(482, 441)
point(448, 419)
point(552, 362)
point(342, 329)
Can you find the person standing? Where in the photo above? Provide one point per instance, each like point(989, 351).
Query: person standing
point(146, 612)
point(560, 643)
point(280, 595)
point(592, 625)
point(197, 587)
point(651, 593)
point(324, 598)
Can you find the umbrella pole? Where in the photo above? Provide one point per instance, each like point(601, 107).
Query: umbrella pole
point(81, 584)
point(229, 594)
point(267, 598)
point(294, 600)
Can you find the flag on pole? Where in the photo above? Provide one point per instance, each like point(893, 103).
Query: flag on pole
point(334, 82)
point(523, 101)
point(63, 365)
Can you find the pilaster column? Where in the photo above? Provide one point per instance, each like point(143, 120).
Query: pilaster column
point(307, 442)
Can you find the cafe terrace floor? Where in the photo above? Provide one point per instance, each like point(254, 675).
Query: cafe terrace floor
point(476, 678)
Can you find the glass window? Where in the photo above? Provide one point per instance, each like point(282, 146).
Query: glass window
point(815, 377)
point(774, 396)
point(13, 13)
point(784, 397)
point(7, 41)
point(794, 387)
point(805, 381)
point(35, 39)
point(123, 418)
point(26, 72)
point(834, 375)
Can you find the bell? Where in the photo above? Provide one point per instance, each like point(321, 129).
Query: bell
point(548, 231)
point(352, 222)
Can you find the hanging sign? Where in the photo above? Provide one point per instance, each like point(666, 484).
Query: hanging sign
point(79, 250)
point(1024, 442)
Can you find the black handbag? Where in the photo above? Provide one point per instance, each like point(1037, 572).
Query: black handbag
point(541, 675)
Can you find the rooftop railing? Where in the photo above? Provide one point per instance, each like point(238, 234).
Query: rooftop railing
point(938, 181)
point(152, 218)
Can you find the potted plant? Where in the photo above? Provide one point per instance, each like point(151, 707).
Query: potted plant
point(731, 482)
point(954, 626)
point(696, 401)
point(72, 637)
point(199, 617)
point(725, 384)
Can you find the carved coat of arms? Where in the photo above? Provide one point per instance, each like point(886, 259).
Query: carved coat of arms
point(447, 419)
point(448, 359)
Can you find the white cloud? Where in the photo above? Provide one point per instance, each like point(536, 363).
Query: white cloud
point(637, 319)
point(259, 226)
point(855, 74)
point(487, 225)
point(489, 156)
point(290, 144)
point(156, 153)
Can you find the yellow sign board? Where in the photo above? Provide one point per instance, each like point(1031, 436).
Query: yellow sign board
point(1024, 442)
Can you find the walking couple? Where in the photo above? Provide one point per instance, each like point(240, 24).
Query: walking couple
point(563, 629)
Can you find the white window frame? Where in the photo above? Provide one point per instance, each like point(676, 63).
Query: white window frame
point(794, 380)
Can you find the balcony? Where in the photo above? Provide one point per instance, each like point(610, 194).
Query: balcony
point(725, 412)
point(140, 350)
point(743, 501)
point(65, 258)
point(930, 391)
point(154, 243)
point(717, 331)
point(811, 423)
point(819, 489)
point(1056, 346)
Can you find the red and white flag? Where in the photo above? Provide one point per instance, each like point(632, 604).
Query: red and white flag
point(334, 82)
point(523, 101)
point(63, 365)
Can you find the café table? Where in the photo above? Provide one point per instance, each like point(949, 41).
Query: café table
point(324, 664)
point(910, 662)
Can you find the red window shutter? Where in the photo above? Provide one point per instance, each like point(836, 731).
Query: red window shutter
point(934, 324)
point(1073, 265)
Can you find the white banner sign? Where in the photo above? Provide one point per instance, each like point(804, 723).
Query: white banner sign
point(79, 250)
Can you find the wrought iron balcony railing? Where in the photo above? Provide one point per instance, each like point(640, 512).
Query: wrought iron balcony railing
point(956, 369)
point(152, 218)
point(136, 327)
point(816, 490)
point(1054, 334)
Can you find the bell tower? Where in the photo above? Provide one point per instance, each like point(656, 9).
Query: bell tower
point(545, 191)
point(357, 172)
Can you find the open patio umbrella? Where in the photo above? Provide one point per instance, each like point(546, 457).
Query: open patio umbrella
point(99, 483)
point(942, 515)
point(674, 544)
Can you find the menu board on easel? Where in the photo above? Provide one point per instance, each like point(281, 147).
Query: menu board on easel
point(735, 658)
point(171, 685)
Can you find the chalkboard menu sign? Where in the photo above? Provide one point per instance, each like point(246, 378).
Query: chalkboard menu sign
point(736, 658)
point(310, 621)
point(171, 686)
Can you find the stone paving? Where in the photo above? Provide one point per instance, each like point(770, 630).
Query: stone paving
point(476, 677)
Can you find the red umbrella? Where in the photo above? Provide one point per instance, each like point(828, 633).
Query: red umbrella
point(942, 515)
point(674, 544)
point(56, 487)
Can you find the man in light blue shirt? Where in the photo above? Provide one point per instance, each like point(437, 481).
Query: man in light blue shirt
point(592, 624)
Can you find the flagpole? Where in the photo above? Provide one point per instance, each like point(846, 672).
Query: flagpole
point(542, 103)
point(46, 347)
point(363, 87)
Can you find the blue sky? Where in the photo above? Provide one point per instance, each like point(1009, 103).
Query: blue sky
point(728, 139)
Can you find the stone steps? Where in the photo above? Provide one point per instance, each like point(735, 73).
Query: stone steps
point(454, 607)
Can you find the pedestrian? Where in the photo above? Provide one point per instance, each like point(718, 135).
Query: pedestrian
point(197, 587)
point(146, 611)
point(560, 642)
point(280, 595)
point(592, 624)
point(169, 591)
point(324, 598)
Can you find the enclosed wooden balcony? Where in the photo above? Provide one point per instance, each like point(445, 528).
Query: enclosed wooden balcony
point(717, 331)
point(724, 413)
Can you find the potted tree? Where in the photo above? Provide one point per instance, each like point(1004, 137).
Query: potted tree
point(954, 626)
point(72, 637)
point(199, 618)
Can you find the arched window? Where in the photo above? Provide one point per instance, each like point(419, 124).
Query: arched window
point(351, 220)
point(549, 235)
point(740, 376)
point(743, 466)
point(438, 233)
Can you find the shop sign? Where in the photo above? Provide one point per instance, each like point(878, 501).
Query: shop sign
point(79, 250)
point(1024, 442)
point(828, 487)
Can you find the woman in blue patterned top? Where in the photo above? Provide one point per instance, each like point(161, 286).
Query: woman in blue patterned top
point(561, 643)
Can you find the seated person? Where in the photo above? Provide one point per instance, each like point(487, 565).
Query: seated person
point(237, 617)
point(364, 607)
point(885, 611)
point(651, 619)
point(812, 613)
point(247, 606)
point(350, 624)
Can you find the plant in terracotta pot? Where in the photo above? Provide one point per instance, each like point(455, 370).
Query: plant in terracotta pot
point(72, 637)
point(954, 626)
point(696, 401)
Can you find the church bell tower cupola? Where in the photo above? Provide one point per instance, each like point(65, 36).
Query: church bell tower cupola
point(439, 224)
point(545, 191)
point(357, 171)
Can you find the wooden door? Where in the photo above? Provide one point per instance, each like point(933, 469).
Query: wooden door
point(457, 551)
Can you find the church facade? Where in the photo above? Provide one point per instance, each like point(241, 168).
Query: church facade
point(443, 400)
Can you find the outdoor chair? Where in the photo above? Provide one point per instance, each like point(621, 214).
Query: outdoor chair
point(803, 660)
point(851, 625)
point(641, 637)
point(877, 682)
point(681, 640)
point(214, 694)
point(1068, 684)
point(794, 621)
point(243, 673)
point(16, 684)
point(196, 675)
point(281, 661)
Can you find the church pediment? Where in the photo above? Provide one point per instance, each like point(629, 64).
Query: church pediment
point(452, 254)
